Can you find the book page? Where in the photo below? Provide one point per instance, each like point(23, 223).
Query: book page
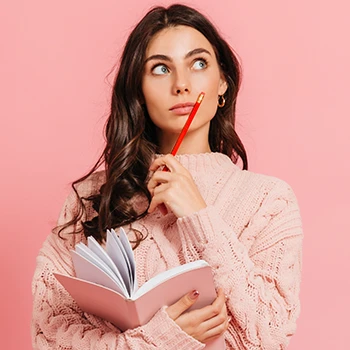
point(130, 254)
point(115, 252)
point(88, 271)
point(166, 275)
point(82, 250)
point(95, 247)
point(113, 235)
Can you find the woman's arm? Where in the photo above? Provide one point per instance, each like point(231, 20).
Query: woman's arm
point(262, 281)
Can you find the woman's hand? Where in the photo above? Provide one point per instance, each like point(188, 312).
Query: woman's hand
point(175, 188)
point(202, 324)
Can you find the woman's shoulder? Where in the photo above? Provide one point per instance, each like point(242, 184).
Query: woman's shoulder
point(255, 184)
point(261, 178)
point(233, 181)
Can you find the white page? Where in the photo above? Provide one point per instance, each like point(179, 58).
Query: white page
point(163, 276)
point(85, 270)
point(82, 250)
point(122, 249)
point(126, 244)
point(113, 250)
point(95, 247)
point(126, 258)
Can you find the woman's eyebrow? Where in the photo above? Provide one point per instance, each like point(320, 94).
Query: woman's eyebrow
point(197, 51)
point(168, 59)
point(158, 57)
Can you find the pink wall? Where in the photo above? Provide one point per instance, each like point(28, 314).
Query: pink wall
point(293, 113)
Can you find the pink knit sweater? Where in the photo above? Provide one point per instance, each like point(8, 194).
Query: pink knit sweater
point(250, 233)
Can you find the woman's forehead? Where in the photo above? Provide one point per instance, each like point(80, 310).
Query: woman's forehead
point(177, 41)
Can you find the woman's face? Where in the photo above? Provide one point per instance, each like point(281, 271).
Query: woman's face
point(181, 63)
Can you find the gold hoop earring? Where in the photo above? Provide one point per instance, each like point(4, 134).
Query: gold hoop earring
point(221, 101)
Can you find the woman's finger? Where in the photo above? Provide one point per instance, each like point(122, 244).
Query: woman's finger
point(183, 304)
point(215, 308)
point(169, 161)
point(156, 192)
point(157, 200)
point(156, 179)
point(160, 188)
point(208, 322)
point(215, 332)
point(209, 312)
point(217, 320)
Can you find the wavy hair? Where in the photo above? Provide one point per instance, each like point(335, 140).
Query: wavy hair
point(131, 140)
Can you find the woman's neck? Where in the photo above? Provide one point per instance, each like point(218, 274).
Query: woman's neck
point(193, 143)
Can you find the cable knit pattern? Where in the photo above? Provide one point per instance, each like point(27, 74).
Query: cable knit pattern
point(250, 233)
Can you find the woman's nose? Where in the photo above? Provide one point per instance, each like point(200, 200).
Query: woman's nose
point(182, 83)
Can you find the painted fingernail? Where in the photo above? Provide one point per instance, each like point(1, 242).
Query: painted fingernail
point(194, 295)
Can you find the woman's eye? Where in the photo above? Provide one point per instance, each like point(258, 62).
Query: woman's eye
point(161, 69)
point(199, 64)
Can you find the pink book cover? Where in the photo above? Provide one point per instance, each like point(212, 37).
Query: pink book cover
point(128, 313)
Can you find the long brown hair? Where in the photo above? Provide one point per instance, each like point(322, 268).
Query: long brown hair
point(131, 140)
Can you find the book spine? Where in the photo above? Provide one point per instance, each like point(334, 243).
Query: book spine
point(133, 314)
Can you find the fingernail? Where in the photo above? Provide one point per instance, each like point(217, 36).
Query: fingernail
point(226, 297)
point(229, 319)
point(194, 294)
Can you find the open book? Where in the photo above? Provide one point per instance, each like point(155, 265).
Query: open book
point(106, 284)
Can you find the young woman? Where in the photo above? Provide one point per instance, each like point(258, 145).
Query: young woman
point(245, 225)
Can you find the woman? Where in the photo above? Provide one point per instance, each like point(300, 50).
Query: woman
point(246, 226)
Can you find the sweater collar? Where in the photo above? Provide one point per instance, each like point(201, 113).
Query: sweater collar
point(199, 162)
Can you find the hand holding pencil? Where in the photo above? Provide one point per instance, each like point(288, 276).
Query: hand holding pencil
point(177, 189)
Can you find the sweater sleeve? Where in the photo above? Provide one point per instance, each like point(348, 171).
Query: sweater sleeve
point(59, 323)
point(259, 270)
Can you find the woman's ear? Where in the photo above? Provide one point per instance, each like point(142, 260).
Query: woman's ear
point(222, 85)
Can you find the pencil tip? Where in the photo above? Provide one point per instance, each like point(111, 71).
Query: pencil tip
point(200, 97)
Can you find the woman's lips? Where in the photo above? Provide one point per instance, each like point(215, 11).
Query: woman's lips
point(182, 108)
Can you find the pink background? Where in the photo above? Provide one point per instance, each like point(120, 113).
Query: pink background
point(293, 113)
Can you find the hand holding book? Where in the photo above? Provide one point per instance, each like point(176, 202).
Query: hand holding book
point(202, 324)
point(106, 286)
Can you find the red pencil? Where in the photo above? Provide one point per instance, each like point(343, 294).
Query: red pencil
point(188, 123)
point(186, 126)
